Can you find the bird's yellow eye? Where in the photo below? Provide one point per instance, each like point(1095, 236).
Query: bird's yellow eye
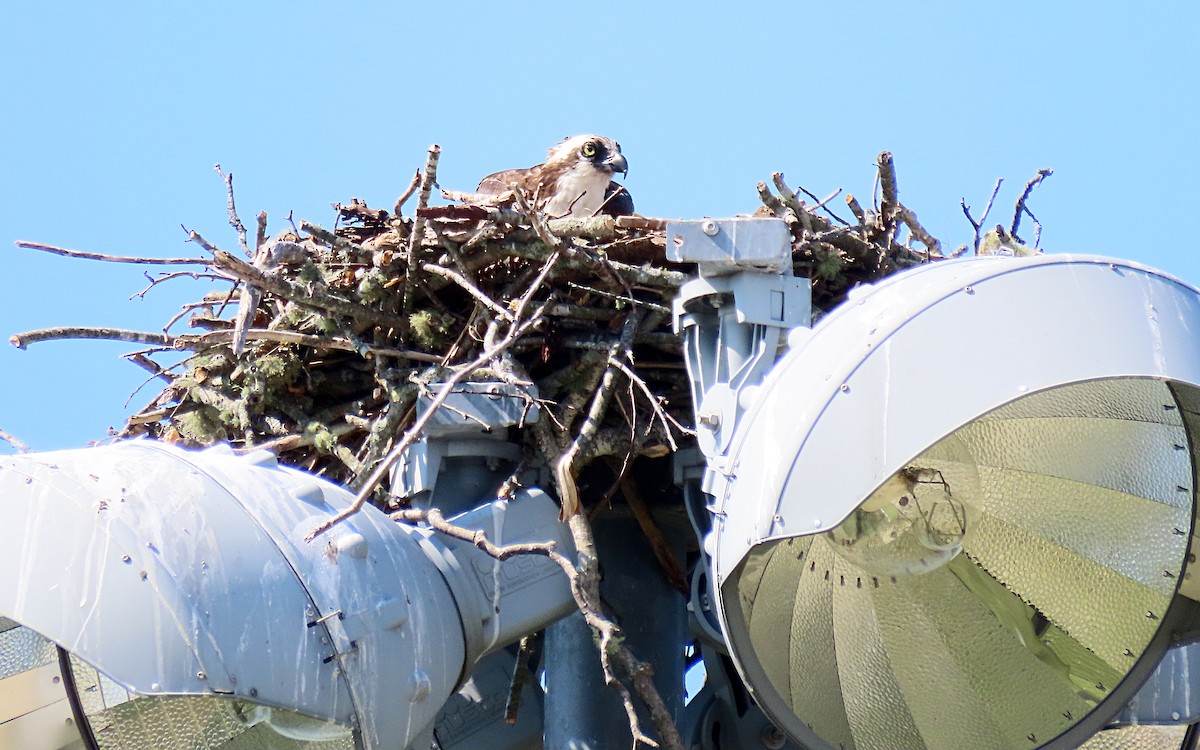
point(589, 149)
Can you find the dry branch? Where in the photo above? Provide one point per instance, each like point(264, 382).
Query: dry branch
point(1021, 207)
point(584, 583)
point(20, 446)
point(110, 258)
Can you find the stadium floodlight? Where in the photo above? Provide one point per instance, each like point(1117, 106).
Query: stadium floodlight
point(159, 598)
point(957, 511)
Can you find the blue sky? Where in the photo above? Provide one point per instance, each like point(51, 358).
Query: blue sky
point(113, 120)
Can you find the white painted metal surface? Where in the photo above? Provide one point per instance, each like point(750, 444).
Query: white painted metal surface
point(905, 363)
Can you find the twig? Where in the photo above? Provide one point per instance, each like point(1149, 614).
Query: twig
point(610, 642)
point(150, 366)
point(333, 240)
point(295, 440)
point(412, 188)
point(22, 340)
point(776, 205)
point(931, 243)
point(234, 221)
point(671, 568)
point(1021, 208)
point(667, 420)
point(530, 645)
point(192, 341)
point(641, 222)
point(825, 201)
point(856, 209)
point(428, 179)
point(194, 275)
point(21, 447)
point(111, 258)
point(260, 232)
point(978, 225)
point(620, 298)
point(651, 276)
point(584, 589)
point(821, 204)
point(470, 288)
point(300, 294)
point(890, 203)
point(564, 467)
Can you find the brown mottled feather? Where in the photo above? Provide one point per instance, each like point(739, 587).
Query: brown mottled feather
point(500, 182)
point(544, 180)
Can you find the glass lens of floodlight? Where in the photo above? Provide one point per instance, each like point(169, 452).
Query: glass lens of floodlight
point(35, 710)
point(989, 595)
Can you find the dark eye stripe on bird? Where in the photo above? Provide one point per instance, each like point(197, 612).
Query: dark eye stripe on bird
point(576, 179)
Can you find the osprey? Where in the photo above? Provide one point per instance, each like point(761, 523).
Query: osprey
point(576, 179)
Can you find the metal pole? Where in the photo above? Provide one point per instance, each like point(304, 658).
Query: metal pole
point(582, 713)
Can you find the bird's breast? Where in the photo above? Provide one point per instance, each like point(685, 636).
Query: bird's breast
point(579, 192)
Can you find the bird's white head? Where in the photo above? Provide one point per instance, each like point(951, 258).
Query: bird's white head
point(603, 154)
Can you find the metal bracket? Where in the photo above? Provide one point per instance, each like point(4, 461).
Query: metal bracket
point(471, 426)
point(722, 246)
point(733, 316)
point(1167, 696)
point(475, 407)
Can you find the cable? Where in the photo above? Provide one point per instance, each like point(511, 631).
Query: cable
point(81, 720)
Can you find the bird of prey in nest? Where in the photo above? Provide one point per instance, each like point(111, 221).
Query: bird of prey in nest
point(575, 181)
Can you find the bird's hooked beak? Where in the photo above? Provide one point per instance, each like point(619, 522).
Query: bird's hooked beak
point(617, 163)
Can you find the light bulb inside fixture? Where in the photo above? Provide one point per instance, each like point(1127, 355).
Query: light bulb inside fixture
point(918, 520)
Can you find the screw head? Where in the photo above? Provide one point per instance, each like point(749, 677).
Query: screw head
point(709, 227)
point(772, 738)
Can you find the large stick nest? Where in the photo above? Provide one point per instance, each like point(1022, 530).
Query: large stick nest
point(322, 340)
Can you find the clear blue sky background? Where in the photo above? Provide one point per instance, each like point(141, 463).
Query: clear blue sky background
point(113, 117)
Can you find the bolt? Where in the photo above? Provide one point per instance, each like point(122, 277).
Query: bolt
point(709, 227)
point(772, 738)
point(710, 419)
point(419, 686)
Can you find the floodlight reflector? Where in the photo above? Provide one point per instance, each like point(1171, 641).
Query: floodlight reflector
point(958, 513)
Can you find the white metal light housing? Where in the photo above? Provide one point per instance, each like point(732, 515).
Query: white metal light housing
point(159, 598)
point(958, 510)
